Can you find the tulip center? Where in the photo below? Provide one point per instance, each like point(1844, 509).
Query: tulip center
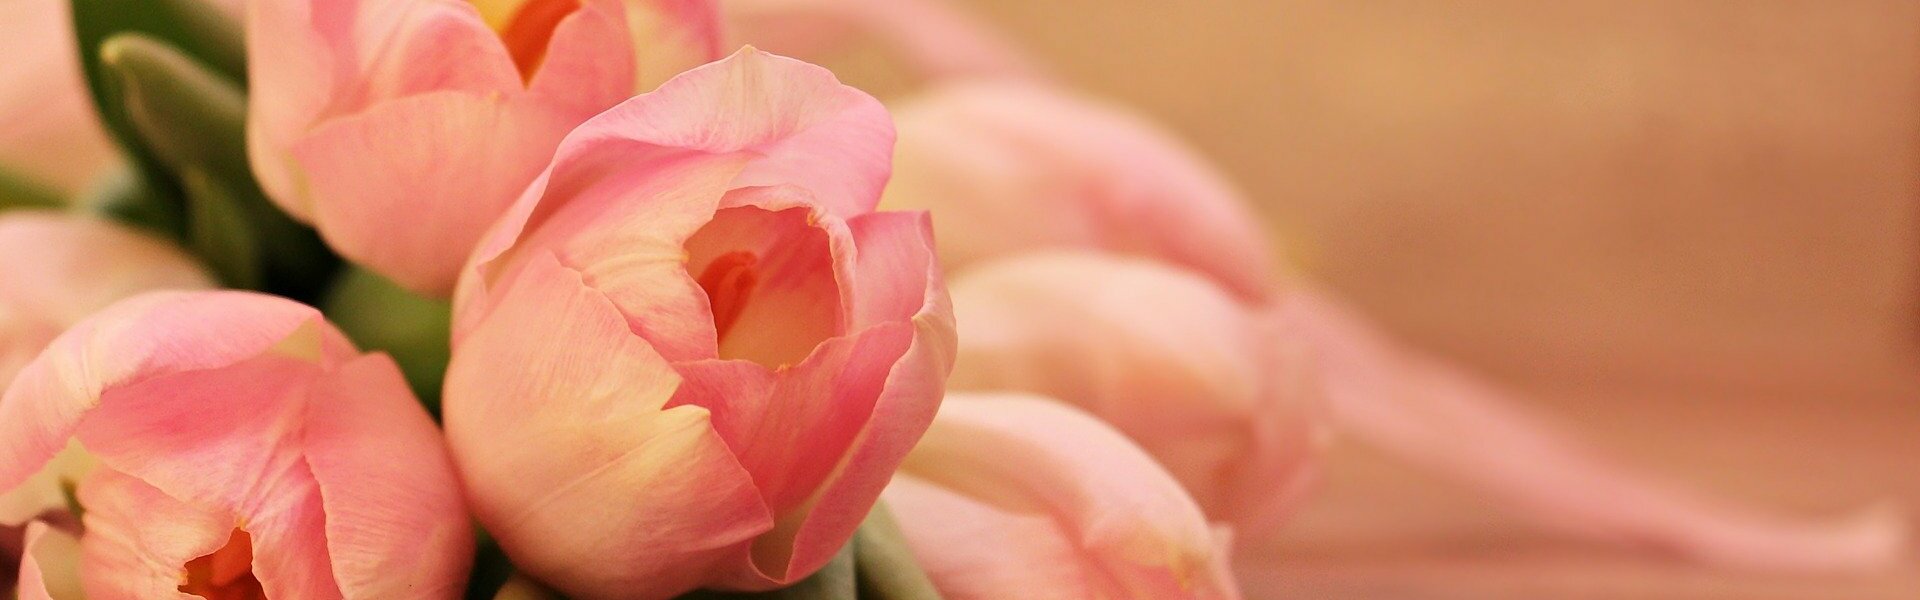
point(770, 283)
point(227, 574)
point(728, 281)
point(526, 35)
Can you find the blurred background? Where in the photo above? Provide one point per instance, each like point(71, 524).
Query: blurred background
point(1691, 228)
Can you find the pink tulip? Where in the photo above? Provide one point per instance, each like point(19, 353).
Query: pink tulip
point(402, 128)
point(245, 450)
point(1221, 394)
point(691, 355)
point(1014, 167)
point(1011, 168)
point(1013, 496)
point(49, 132)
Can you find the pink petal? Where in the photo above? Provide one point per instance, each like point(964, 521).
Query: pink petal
point(50, 566)
point(396, 527)
point(676, 35)
point(569, 458)
point(803, 127)
point(49, 131)
point(1207, 385)
point(60, 268)
point(1011, 167)
point(150, 337)
point(590, 60)
point(139, 539)
point(1135, 532)
point(311, 60)
point(454, 160)
point(974, 550)
point(1434, 415)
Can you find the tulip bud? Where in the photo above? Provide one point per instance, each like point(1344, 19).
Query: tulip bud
point(245, 449)
point(733, 352)
point(449, 122)
point(1012, 496)
point(1224, 396)
point(1013, 167)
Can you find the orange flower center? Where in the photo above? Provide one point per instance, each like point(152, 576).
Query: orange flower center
point(227, 574)
point(531, 28)
point(729, 282)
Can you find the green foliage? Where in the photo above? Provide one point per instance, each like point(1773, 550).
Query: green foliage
point(184, 121)
point(380, 315)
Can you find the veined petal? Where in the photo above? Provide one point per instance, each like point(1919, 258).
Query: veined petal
point(547, 435)
point(1136, 533)
point(396, 528)
point(454, 160)
point(311, 60)
point(1207, 385)
point(153, 336)
point(139, 541)
point(60, 268)
point(804, 127)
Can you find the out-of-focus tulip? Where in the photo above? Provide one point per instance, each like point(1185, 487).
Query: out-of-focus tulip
point(1014, 167)
point(49, 132)
point(933, 38)
point(402, 128)
point(1062, 161)
point(1013, 496)
point(1223, 395)
point(691, 355)
point(245, 450)
point(60, 268)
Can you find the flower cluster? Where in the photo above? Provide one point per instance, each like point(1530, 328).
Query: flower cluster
point(389, 299)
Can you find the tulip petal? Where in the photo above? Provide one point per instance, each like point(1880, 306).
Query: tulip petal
point(1432, 414)
point(139, 540)
point(1136, 531)
point(311, 60)
point(49, 131)
point(546, 434)
point(152, 337)
point(1013, 167)
point(676, 35)
point(395, 528)
point(60, 268)
point(804, 127)
point(589, 63)
point(50, 566)
point(1207, 385)
point(974, 550)
point(417, 156)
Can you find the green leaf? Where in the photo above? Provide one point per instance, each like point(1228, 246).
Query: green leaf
point(192, 122)
point(886, 566)
point(217, 232)
point(19, 192)
point(835, 581)
point(198, 29)
point(378, 314)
